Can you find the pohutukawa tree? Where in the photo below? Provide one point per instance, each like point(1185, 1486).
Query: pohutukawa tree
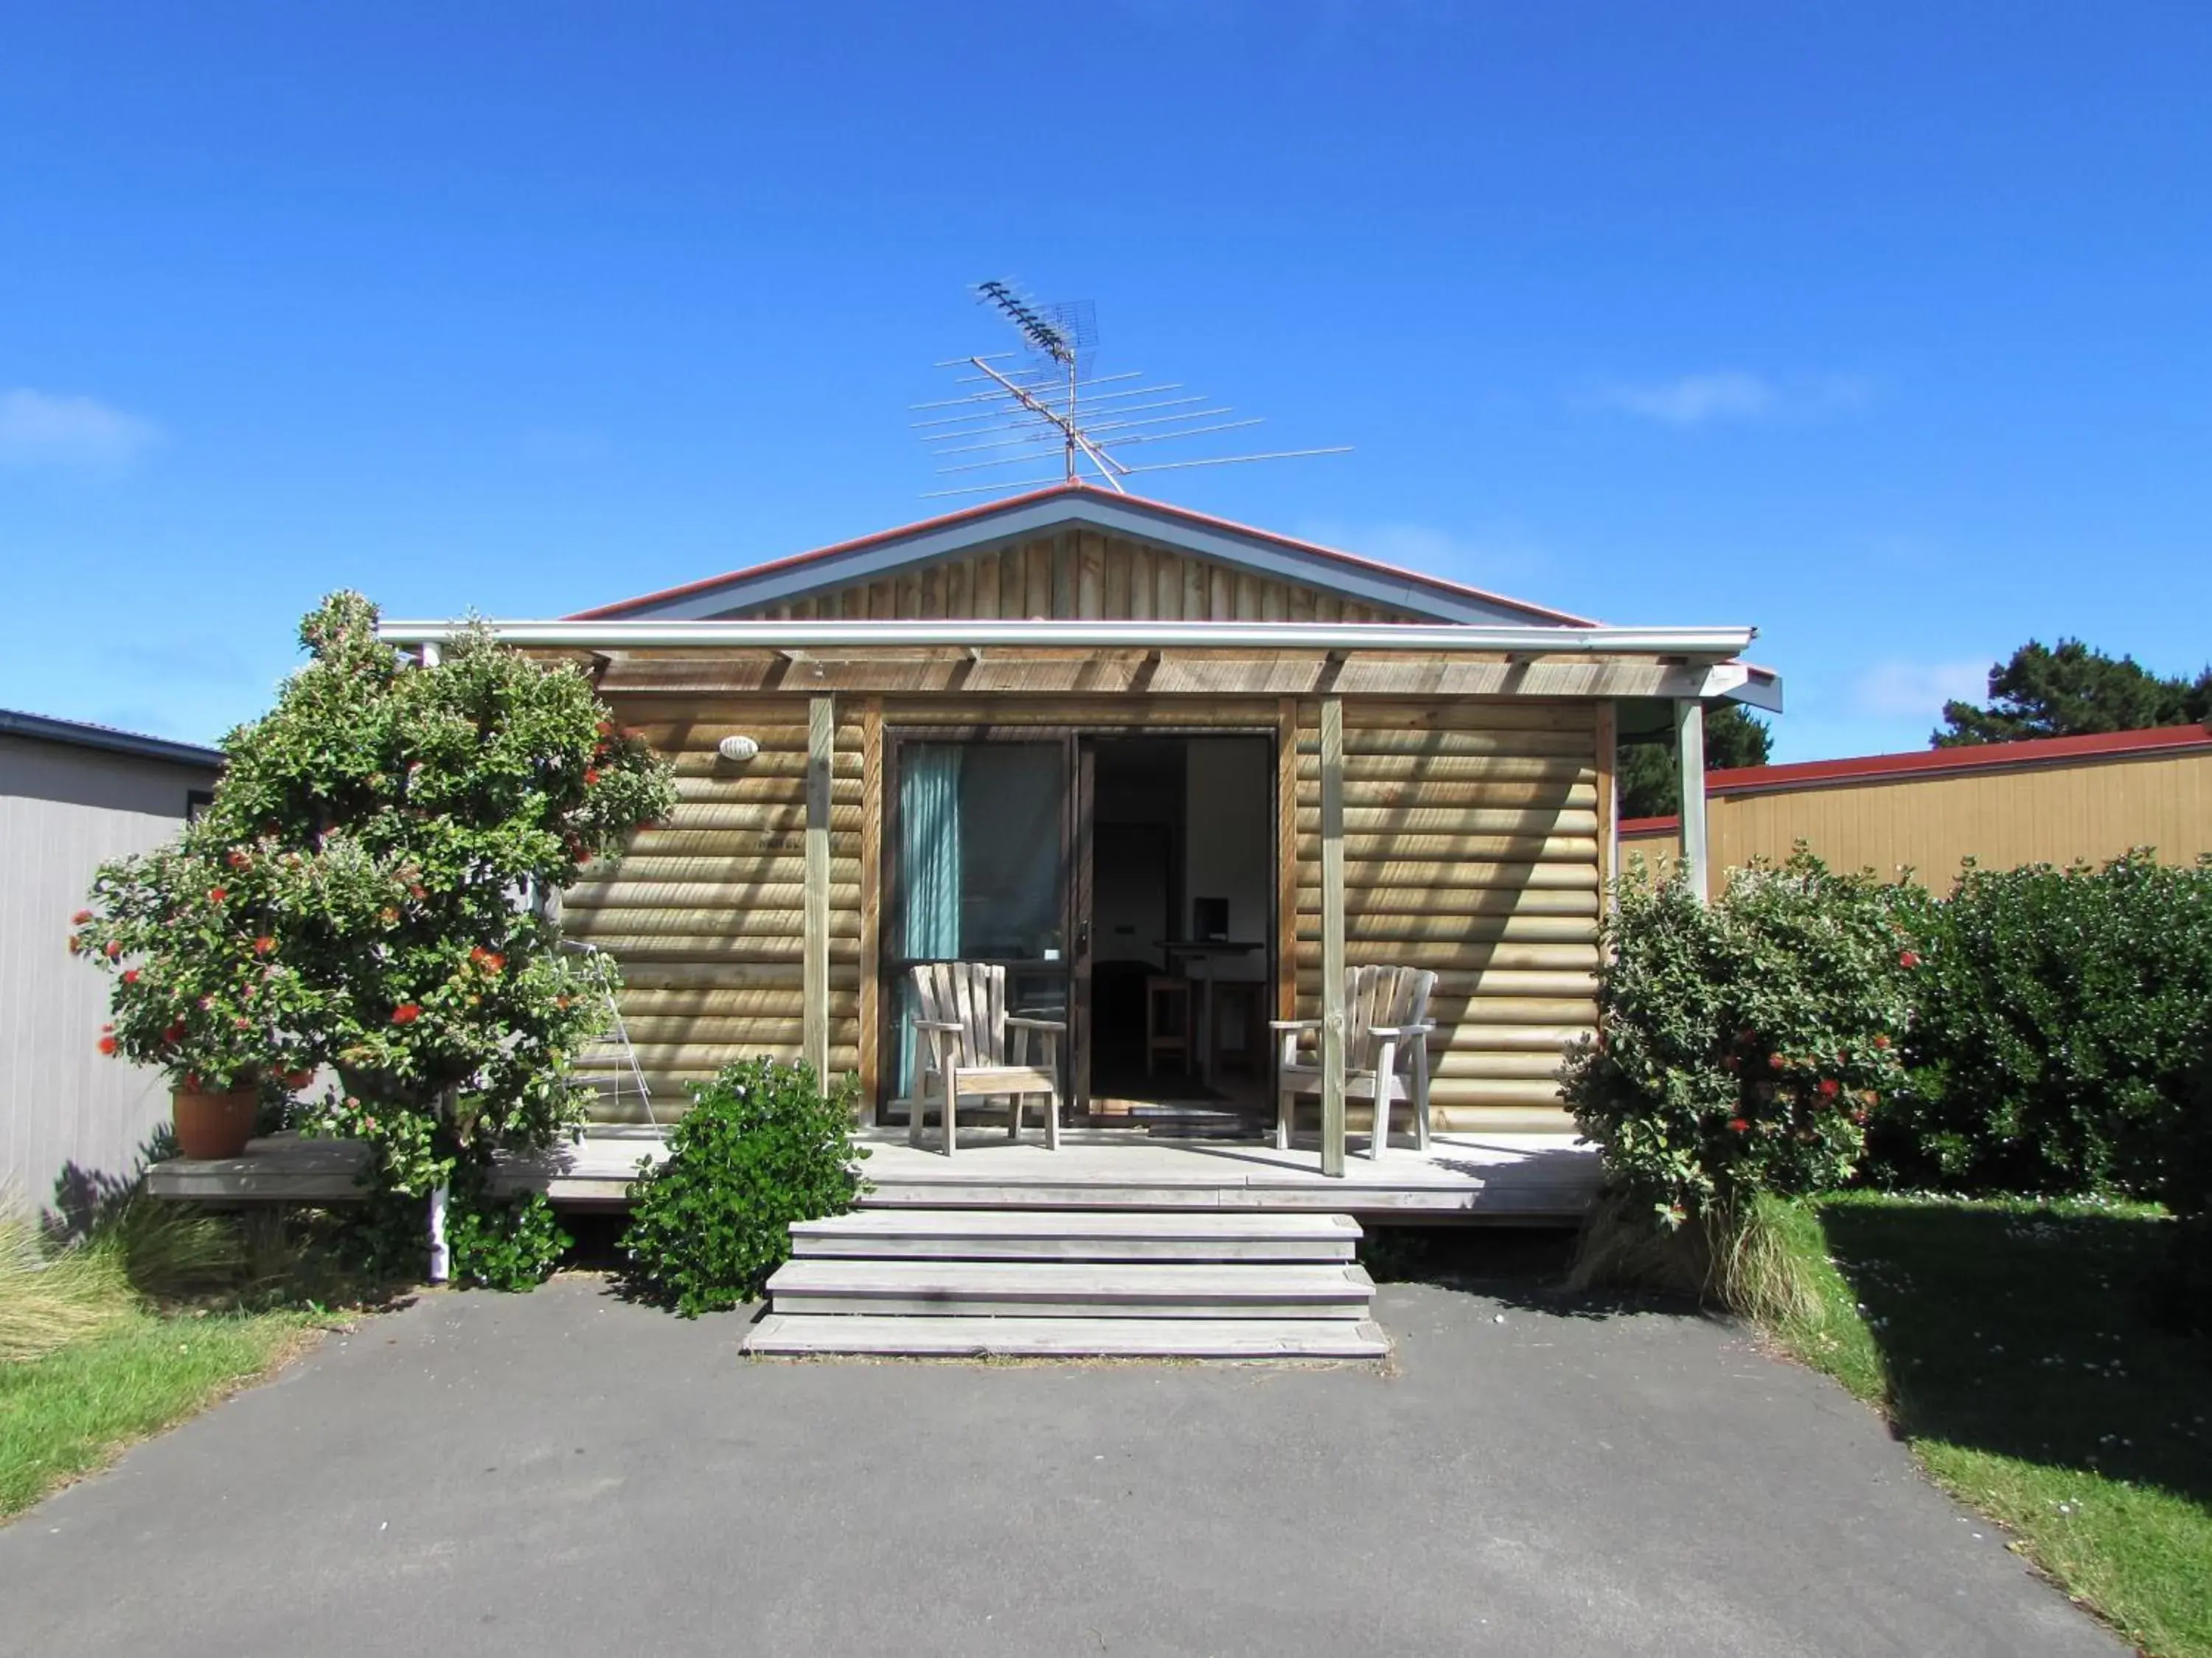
point(358, 895)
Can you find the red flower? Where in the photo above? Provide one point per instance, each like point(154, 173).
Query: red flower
point(406, 1014)
point(76, 945)
point(114, 948)
point(79, 918)
point(238, 857)
point(591, 776)
point(1907, 959)
point(494, 962)
point(1775, 1062)
point(241, 1021)
point(216, 894)
point(171, 1033)
point(296, 1080)
point(1829, 1087)
point(131, 975)
point(1739, 1125)
point(107, 1044)
point(1881, 1041)
point(606, 728)
point(264, 945)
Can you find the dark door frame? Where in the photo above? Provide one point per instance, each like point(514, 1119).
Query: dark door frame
point(1077, 832)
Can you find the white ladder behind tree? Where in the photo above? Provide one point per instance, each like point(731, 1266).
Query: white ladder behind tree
point(608, 1064)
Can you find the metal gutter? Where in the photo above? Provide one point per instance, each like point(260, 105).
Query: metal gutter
point(1704, 644)
point(44, 727)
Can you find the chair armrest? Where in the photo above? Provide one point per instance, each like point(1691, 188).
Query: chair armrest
point(953, 1025)
point(1021, 1022)
point(1399, 1031)
point(1294, 1024)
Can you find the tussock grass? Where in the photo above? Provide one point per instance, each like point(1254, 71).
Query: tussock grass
point(1741, 1259)
point(49, 1299)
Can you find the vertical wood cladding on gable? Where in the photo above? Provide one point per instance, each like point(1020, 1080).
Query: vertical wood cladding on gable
point(1078, 576)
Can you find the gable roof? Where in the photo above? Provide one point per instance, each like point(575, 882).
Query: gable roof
point(1081, 505)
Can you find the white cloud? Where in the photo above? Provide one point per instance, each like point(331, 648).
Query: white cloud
point(1919, 689)
point(1730, 394)
point(39, 428)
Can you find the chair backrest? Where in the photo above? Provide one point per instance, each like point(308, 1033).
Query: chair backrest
point(971, 995)
point(1386, 997)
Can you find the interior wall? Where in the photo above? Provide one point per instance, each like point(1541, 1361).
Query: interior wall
point(1229, 786)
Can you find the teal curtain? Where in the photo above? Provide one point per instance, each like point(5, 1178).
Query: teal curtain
point(929, 870)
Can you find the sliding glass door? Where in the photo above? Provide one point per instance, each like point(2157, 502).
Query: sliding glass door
point(980, 841)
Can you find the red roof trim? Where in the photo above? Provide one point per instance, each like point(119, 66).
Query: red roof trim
point(684, 590)
point(2037, 750)
point(1935, 762)
point(972, 513)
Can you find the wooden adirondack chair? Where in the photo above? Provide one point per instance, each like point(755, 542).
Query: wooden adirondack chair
point(1386, 1052)
point(974, 1049)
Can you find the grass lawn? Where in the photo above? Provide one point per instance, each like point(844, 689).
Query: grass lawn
point(2009, 1343)
point(73, 1410)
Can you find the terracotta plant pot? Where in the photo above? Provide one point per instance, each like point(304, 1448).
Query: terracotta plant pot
point(215, 1125)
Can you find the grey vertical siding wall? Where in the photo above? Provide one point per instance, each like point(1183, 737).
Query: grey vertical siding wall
point(64, 811)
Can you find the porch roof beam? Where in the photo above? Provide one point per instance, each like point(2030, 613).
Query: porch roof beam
point(1708, 645)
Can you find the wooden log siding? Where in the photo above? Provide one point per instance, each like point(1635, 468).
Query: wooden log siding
point(1472, 846)
point(707, 915)
point(1078, 576)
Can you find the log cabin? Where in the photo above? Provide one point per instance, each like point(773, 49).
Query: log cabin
point(1176, 774)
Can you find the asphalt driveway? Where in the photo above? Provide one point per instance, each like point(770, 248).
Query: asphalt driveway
point(563, 1473)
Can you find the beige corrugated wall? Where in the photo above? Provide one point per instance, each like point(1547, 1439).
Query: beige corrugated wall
point(2052, 811)
point(64, 811)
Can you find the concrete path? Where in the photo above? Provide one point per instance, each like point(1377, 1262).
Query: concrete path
point(563, 1474)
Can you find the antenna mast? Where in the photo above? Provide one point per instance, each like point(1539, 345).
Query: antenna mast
point(1052, 400)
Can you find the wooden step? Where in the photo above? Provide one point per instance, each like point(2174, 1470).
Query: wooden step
point(1146, 1289)
point(1078, 1337)
point(1010, 1235)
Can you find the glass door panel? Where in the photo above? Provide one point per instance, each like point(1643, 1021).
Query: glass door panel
point(980, 875)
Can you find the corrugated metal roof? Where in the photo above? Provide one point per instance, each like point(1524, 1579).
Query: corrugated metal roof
point(82, 734)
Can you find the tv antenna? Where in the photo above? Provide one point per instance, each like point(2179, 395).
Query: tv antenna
point(1044, 400)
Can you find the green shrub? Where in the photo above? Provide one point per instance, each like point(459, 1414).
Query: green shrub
point(510, 1243)
point(1744, 1041)
point(2056, 1024)
point(761, 1147)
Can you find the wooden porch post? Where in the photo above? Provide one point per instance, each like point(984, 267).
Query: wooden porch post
point(1690, 750)
point(871, 862)
point(1608, 802)
point(1332, 935)
point(821, 739)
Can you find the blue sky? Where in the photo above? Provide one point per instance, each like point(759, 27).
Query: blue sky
point(1883, 328)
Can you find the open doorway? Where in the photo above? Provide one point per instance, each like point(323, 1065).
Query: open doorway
point(1178, 988)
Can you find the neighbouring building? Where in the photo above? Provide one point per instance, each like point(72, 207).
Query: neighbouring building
point(72, 797)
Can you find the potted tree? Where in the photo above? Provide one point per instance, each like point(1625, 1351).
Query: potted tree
point(190, 942)
point(358, 897)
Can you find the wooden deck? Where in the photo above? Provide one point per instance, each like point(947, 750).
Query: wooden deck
point(1503, 1177)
